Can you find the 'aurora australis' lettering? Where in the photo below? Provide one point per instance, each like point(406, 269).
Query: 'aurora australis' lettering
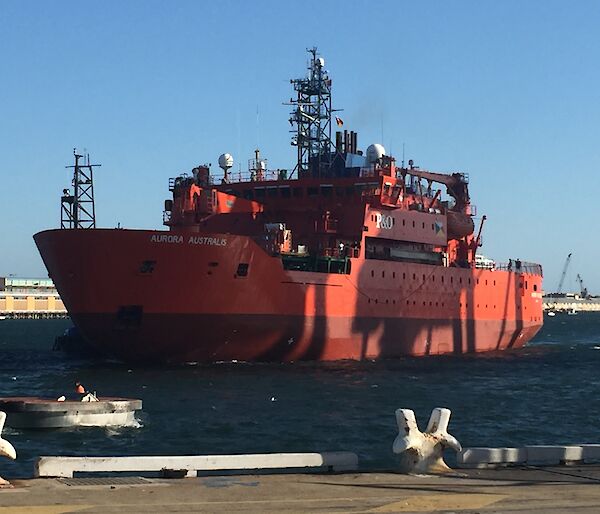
point(195, 240)
point(204, 240)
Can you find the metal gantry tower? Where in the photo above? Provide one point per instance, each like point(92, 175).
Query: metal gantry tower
point(312, 117)
point(77, 206)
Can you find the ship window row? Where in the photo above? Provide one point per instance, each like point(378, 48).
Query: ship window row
point(424, 278)
point(442, 304)
point(324, 190)
point(373, 218)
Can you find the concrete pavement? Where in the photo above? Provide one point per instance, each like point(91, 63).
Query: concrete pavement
point(542, 490)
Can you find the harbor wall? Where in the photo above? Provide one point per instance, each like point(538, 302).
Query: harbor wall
point(571, 304)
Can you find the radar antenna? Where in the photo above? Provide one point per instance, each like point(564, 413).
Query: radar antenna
point(77, 207)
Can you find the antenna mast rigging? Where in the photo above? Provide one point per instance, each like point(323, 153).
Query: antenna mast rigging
point(312, 117)
point(78, 208)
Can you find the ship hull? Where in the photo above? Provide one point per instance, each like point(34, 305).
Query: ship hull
point(171, 297)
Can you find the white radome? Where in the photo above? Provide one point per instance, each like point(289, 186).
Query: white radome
point(375, 152)
point(225, 161)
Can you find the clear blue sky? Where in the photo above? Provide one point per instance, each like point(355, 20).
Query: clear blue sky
point(506, 91)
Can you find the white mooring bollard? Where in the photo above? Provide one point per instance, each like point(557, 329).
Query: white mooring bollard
point(423, 452)
point(6, 449)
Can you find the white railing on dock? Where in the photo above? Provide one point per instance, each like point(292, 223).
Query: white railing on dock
point(534, 455)
point(192, 464)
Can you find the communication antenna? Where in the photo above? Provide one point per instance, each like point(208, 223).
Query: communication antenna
point(77, 206)
point(225, 163)
point(257, 128)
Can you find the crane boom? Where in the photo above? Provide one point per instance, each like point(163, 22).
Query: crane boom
point(456, 184)
point(564, 272)
point(584, 291)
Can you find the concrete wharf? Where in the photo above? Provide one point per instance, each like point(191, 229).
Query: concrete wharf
point(516, 490)
point(571, 304)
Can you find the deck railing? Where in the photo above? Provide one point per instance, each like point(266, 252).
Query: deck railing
point(518, 266)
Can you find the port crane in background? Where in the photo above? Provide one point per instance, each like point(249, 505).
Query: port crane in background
point(584, 292)
point(564, 274)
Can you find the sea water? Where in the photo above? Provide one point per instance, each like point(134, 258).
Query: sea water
point(546, 393)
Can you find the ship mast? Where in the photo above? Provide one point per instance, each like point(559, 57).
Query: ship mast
point(78, 209)
point(312, 117)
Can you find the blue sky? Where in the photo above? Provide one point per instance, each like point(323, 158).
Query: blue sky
point(508, 92)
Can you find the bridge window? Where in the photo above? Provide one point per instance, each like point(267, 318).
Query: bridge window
point(286, 192)
point(312, 191)
point(297, 192)
point(326, 191)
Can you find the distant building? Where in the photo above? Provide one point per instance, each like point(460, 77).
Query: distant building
point(30, 298)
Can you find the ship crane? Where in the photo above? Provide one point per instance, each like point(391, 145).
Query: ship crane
point(456, 184)
point(564, 274)
point(584, 291)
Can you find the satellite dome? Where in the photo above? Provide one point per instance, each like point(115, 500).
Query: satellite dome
point(225, 161)
point(374, 153)
point(321, 62)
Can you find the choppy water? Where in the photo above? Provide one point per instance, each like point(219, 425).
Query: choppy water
point(547, 393)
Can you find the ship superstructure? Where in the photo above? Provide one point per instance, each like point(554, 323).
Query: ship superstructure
point(346, 256)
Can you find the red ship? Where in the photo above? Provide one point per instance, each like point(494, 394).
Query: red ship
point(348, 256)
